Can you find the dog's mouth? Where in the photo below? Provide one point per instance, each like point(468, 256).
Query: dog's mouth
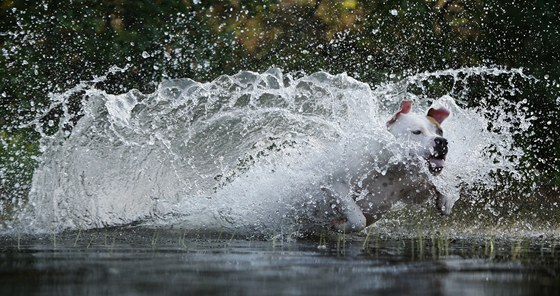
point(436, 159)
point(436, 164)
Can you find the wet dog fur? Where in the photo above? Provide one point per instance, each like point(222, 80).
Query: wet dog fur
point(357, 204)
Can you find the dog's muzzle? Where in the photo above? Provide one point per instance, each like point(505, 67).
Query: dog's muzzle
point(436, 160)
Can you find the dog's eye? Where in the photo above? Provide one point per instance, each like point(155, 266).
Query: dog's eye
point(416, 132)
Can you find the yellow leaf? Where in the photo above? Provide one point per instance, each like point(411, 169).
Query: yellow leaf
point(350, 4)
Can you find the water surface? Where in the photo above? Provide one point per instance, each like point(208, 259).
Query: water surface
point(136, 261)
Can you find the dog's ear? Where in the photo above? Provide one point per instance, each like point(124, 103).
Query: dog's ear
point(439, 114)
point(406, 105)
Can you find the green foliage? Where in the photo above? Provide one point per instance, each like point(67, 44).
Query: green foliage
point(18, 151)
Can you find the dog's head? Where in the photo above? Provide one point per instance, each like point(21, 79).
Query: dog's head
point(424, 131)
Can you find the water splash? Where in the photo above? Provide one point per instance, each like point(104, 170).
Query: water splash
point(249, 152)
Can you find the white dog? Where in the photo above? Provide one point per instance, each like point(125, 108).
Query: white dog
point(361, 201)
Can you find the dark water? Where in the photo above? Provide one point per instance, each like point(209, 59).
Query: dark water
point(171, 262)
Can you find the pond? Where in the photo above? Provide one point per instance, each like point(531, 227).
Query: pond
point(143, 261)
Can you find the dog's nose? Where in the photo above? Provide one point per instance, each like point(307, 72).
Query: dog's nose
point(441, 141)
point(441, 146)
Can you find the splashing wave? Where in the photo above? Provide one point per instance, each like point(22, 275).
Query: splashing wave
point(248, 152)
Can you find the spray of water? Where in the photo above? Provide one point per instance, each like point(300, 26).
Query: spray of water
point(250, 152)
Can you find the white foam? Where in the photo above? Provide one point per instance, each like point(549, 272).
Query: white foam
point(244, 152)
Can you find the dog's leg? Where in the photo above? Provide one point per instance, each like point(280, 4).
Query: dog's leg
point(443, 203)
point(352, 219)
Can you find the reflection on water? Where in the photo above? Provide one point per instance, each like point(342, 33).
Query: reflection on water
point(148, 261)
